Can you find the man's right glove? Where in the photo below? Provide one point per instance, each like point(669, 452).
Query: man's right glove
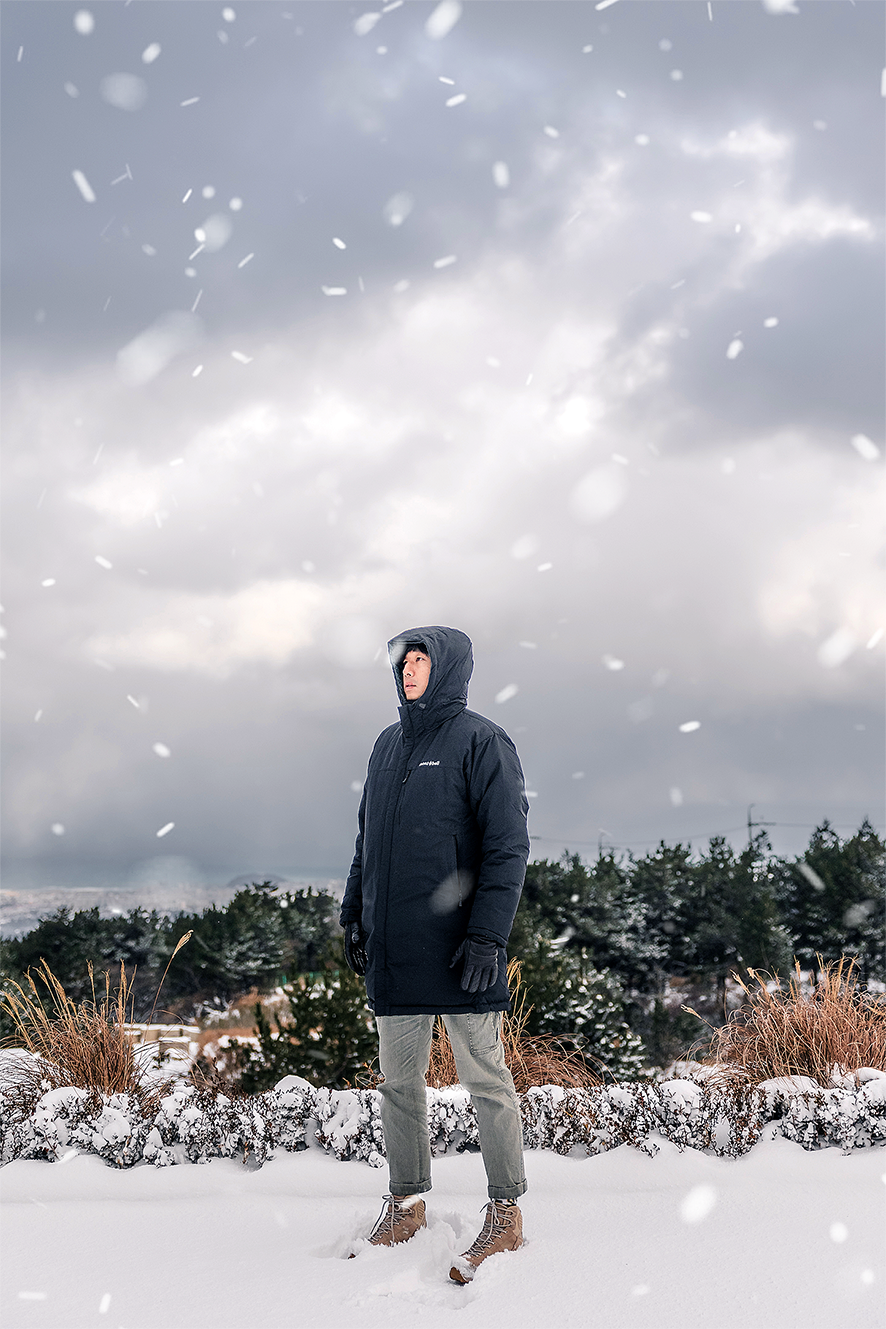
point(481, 964)
point(355, 947)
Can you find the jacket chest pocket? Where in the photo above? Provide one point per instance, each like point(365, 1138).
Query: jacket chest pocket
point(433, 800)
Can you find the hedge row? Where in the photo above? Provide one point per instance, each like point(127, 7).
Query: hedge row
point(194, 1126)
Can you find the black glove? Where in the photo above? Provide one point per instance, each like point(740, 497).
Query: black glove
point(355, 947)
point(481, 964)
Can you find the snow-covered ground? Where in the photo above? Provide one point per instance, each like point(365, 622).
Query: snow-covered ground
point(781, 1237)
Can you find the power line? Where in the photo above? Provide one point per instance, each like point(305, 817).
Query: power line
point(729, 830)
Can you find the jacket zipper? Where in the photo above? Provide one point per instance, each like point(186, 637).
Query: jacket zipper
point(400, 797)
point(382, 921)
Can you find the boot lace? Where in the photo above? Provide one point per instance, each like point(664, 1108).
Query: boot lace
point(391, 1210)
point(493, 1226)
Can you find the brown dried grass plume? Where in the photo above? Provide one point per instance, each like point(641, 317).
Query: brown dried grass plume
point(85, 1045)
point(802, 1030)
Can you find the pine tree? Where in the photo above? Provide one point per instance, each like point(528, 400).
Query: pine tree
point(586, 1006)
point(72, 941)
point(729, 916)
point(566, 994)
point(253, 943)
point(833, 899)
point(595, 910)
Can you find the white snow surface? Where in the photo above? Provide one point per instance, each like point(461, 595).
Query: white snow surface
point(222, 1247)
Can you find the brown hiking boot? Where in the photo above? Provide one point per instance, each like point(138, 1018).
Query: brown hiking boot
point(398, 1221)
point(502, 1230)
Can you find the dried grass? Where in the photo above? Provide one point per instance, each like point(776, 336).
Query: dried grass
point(531, 1061)
point(780, 1031)
point(83, 1045)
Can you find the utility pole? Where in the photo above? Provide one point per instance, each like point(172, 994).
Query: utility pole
point(752, 825)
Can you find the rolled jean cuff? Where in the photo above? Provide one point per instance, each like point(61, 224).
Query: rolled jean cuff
point(509, 1192)
point(407, 1188)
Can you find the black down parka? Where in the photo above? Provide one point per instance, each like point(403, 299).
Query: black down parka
point(442, 843)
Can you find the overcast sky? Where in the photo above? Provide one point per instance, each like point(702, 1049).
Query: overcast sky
point(559, 323)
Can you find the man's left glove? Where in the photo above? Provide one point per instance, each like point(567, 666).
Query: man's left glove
point(481, 964)
point(355, 947)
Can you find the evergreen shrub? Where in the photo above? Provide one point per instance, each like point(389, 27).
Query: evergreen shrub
point(327, 1037)
point(725, 1120)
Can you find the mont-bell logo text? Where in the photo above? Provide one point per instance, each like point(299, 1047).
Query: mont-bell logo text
point(429, 763)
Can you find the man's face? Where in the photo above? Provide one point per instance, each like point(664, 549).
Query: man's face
point(416, 673)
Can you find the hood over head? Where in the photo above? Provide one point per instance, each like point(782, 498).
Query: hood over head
point(452, 662)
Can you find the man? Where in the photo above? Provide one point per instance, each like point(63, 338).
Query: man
point(430, 900)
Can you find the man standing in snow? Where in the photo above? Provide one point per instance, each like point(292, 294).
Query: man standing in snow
point(427, 911)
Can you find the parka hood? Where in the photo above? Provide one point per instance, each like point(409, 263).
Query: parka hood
point(452, 662)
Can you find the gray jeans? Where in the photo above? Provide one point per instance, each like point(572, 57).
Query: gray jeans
point(404, 1044)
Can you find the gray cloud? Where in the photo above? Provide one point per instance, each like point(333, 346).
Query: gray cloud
point(542, 442)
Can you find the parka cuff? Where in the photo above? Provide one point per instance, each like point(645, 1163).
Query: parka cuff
point(481, 934)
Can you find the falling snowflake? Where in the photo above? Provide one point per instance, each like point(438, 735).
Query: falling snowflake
point(443, 19)
point(365, 23)
point(84, 186)
point(837, 648)
point(865, 447)
point(398, 208)
point(127, 92)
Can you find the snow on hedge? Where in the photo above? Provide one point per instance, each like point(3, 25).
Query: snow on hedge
point(194, 1125)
